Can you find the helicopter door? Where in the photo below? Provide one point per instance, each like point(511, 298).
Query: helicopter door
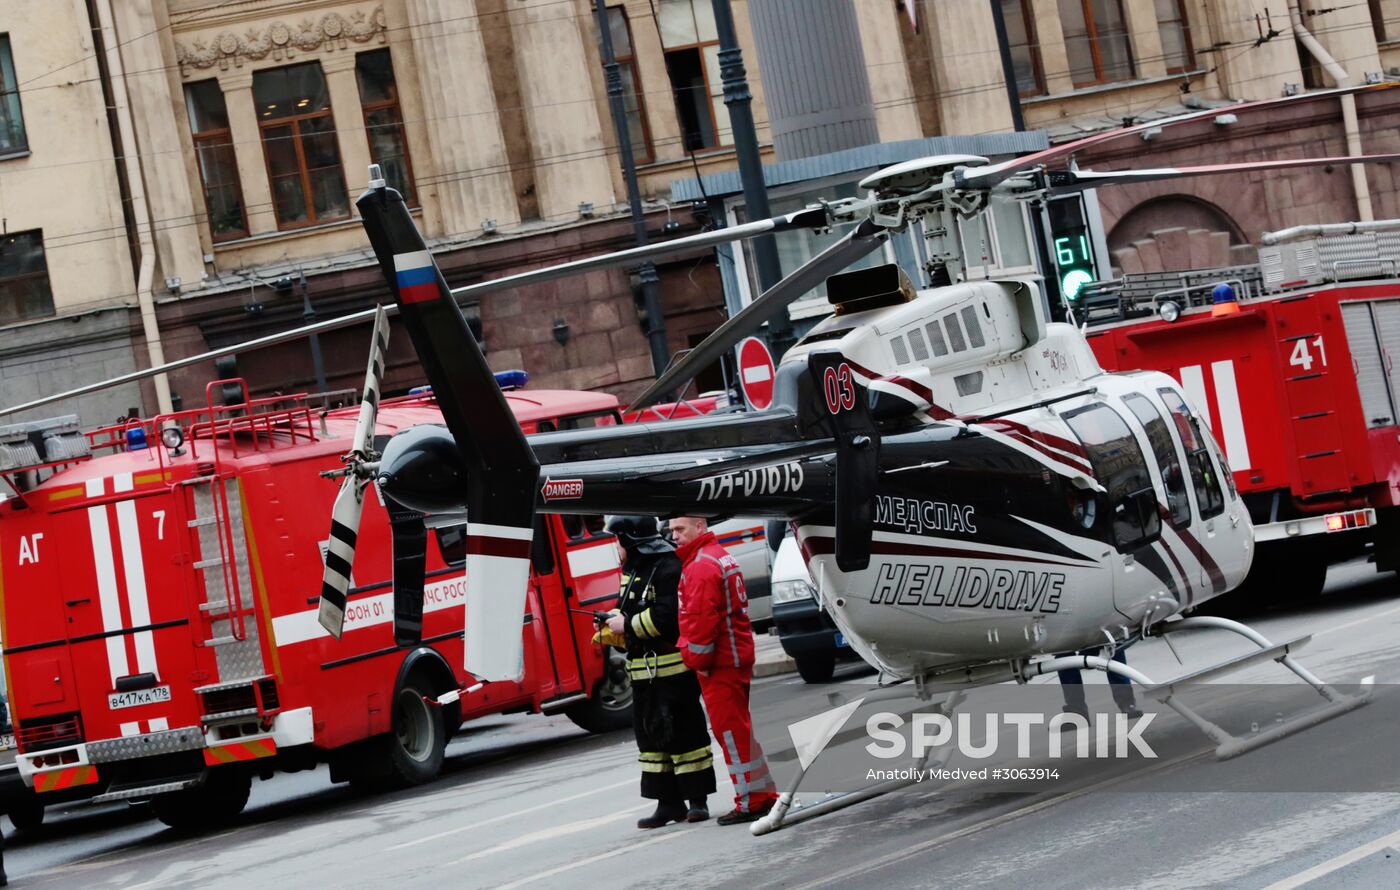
point(1175, 504)
point(1127, 515)
point(1210, 499)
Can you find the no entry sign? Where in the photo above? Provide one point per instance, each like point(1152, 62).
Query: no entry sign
point(756, 373)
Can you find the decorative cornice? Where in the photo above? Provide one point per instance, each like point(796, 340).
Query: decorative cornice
point(282, 41)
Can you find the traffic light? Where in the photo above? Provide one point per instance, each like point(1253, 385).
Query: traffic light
point(1071, 246)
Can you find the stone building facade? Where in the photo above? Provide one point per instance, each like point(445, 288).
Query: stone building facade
point(188, 164)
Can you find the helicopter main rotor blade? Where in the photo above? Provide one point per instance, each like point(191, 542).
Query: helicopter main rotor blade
point(814, 217)
point(1062, 182)
point(859, 242)
point(986, 177)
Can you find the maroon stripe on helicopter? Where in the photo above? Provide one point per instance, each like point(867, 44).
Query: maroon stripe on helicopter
point(1171, 554)
point(917, 389)
point(821, 545)
point(1042, 448)
point(1217, 577)
point(485, 545)
point(1050, 439)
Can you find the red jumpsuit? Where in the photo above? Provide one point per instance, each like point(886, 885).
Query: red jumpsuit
point(716, 641)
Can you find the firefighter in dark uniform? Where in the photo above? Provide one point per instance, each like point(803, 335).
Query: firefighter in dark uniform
point(672, 739)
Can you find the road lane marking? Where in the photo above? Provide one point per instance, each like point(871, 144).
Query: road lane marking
point(578, 863)
point(1367, 620)
point(865, 868)
point(480, 823)
point(549, 834)
point(1337, 863)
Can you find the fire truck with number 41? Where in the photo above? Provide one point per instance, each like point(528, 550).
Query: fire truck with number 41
point(1293, 360)
point(160, 581)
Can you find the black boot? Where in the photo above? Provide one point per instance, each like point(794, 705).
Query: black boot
point(667, 811)
point(699, 811)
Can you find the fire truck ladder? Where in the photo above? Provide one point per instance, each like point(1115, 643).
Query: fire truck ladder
point(223, 565)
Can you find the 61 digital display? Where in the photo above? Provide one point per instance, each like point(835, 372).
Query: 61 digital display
point(1071, 246)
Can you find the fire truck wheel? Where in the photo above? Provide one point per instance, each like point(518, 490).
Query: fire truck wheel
point(223, 796)
point(27, 814)
point(609, 708)
point(419, 737)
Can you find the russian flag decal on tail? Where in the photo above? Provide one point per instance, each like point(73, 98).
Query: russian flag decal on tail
point(417, 278)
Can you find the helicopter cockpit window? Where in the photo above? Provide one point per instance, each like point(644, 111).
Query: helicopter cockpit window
point(1164, 448)
point(1121, 469)
point(1203, 475)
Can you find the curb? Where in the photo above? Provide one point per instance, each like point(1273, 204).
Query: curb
point(774, 667)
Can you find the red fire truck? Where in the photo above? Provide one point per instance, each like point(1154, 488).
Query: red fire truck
point(159, 585)
point(1297, 375)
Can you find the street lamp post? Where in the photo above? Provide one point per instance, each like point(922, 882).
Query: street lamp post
point(308, 314)
point(739, 101)
point(651, 282)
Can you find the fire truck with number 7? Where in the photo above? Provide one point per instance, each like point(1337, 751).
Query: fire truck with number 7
point(1293, 361)
point(160, 580)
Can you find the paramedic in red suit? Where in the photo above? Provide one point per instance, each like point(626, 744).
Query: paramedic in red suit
point(717, 643)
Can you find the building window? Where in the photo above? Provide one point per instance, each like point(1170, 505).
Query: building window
point(24, 278)
point(1175, 29)
point(692, 61)
point(12, 137)
point(379, 97)
point(632, 101)
point(1096, 40)
point(298, 136)
point(1025, 51)
point(218, 168)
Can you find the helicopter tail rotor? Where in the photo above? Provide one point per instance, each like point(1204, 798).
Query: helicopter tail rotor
point(350, 502)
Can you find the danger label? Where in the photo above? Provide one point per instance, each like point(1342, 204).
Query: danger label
point(562, 489)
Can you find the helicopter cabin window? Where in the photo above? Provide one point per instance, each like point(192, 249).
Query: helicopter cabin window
point(916, 345)
point(1122, 470)
point(997, 241)
point(901, 352)
point(968, 384)
point(955, 333)
point(973, 326)
point(935, 338)
point(1203, 477)
point(1164, 448)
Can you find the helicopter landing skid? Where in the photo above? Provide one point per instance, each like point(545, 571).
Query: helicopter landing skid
point(785, 812)
point(788, 812)
point(1227, 745)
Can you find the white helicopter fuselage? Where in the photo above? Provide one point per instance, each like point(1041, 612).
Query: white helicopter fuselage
point(1026, 530)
